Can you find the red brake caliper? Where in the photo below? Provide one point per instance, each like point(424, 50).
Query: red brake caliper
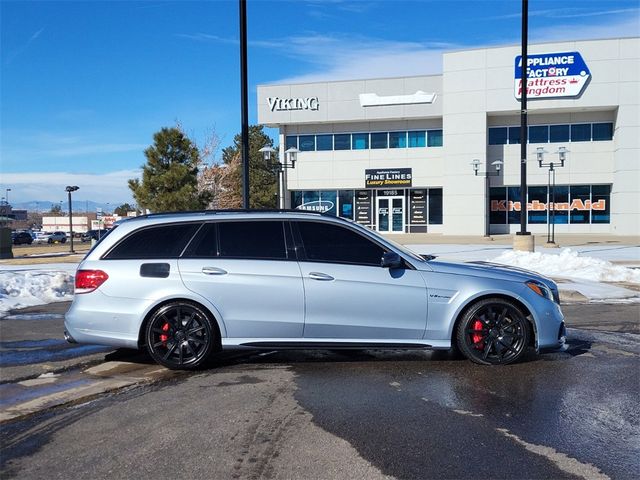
point(477, 337)
point(164, 338)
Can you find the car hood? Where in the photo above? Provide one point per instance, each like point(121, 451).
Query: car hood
point(487, 270)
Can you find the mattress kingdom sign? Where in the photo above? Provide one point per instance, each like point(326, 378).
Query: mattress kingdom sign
point(552, 75)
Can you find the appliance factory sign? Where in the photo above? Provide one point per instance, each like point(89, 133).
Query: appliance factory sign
point(391, 177)
point(552, 75)
point(277, 104)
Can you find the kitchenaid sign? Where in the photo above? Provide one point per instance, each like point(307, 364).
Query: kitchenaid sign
point(552, 75)
point(277, 104)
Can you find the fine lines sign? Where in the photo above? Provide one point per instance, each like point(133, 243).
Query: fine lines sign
point(552, 75)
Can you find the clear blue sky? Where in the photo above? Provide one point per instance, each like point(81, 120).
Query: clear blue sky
point(85, 84)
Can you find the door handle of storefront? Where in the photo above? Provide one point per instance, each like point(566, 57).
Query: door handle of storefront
point(320, 276)
point(213, 271)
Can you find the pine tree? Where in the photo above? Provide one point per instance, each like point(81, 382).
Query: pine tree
point(262, 178)
point(170, 176)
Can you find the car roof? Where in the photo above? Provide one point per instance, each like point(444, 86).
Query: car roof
point(236, 214)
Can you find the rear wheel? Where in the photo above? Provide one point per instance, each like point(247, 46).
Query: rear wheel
point(493, 331)
point(180, 336)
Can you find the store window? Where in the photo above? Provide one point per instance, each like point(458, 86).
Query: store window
point(307, 143)
point(578, 132)
point(601, 201)
point(538, 200)
point(498, 205)
point(291, 141)
point(539, 134)
point(434, 138)
point(561, 205)
point(360, 141)
point(559, 133)
point(379, 140)
point(324, 142)
point(417, 139)
point(602, 131)
point(345, 204)
point(514, 135)
point(435, 206)
point(581, 132)
point(397, 139)
point(498, 136)
point(579, 212)
point(513, 195)
point(342, 141)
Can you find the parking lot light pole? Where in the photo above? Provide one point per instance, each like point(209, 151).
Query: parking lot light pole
point(70, 189)
point(476, 170)
point(280, 167)
point(551, 190)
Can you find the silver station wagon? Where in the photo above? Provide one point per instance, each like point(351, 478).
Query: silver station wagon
point(187, 285)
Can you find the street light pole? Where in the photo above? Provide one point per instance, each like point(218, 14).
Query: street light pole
point(244, 100)
point(70, 189)
point(290, 158)
point(551, 190)
point(487, 174)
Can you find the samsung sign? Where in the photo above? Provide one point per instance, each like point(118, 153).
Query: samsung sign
point(552, 75)
point(277, 104)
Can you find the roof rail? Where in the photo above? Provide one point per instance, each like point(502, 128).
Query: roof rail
point(230, 210)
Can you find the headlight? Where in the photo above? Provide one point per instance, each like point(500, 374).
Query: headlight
point(540, 288)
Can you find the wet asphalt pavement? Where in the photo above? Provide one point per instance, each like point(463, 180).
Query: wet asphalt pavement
point(361, 414)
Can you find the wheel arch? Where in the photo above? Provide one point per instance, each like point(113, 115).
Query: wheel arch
point(515, 300)
point(167, 301)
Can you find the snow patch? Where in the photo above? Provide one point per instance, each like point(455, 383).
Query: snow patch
point(569, 264)
point(27, 288)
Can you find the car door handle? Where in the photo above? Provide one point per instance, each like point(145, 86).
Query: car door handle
point(213, 271)
point(320, 276)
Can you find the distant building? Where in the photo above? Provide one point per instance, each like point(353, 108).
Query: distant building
point(61, 224)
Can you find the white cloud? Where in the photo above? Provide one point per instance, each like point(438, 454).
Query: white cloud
point(49, 186)
point(624, 27)
point(345, 57)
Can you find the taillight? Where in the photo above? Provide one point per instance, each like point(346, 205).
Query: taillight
point(88, 280)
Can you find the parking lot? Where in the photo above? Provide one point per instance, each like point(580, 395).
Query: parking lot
point(356, 414)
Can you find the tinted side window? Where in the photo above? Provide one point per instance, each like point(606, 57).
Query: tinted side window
point(252, 240)
point(205, 244)
point(335, 244)
point(166, 241)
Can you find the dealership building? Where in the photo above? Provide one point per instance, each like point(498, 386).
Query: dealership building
point(441, 153)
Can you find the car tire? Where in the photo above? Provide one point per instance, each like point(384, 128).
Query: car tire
point(50, 240)
point(64, 240)
point(181, 336)
point(493, 331)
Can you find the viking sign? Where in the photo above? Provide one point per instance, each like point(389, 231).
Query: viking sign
point(288, 104)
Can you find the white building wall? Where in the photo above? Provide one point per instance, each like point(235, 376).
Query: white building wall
point(476, 91)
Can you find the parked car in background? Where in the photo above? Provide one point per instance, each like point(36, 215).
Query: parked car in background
point(20, 238)
point(185, 286)
point(47, 237)
point(56, 237)
point(93, 235)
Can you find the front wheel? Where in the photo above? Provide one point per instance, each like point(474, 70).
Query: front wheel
point(493, 331)
point(180, 336)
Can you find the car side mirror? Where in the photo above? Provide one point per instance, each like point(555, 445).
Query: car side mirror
point(391, 260)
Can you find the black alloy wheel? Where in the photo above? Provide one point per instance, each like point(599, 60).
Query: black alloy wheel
point(180, 336)
point(492, 332)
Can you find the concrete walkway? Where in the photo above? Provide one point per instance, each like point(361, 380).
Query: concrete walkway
point(562, 240)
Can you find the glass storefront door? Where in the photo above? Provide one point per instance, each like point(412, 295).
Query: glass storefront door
point(390, 214)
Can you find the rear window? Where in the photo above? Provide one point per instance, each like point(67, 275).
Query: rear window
point(163, 241)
